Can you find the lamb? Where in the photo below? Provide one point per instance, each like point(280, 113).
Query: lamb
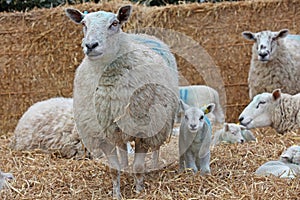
point(275, 62)
point(49, 125)
point(286, 167)
point(195, 138)
point(3, 178)
point(199, 95)
point(276, 109)
point(233, 133)
point(125, 89)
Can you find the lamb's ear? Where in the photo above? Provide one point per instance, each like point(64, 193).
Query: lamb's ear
point(249, 35)
point(183, 105)
point(276, 94)
point(124, 13)
point(282, 34)
point(226, 127)
point(208, 108)
point(242, 127)
point(75, 15)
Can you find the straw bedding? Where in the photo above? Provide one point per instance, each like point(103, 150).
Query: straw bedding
point(44, 176)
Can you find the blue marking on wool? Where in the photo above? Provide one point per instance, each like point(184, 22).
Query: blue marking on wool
point(207, 121)
point(294, 37)
point(183, 94)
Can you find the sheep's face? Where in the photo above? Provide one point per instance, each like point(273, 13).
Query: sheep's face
point(101, 31)
point(266, 43)
point(233, 133)
point(194, 117)
point(259, 111)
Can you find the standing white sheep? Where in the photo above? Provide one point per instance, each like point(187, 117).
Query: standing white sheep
point(233, 133)
point(200, 95)
point(124, 90)
point(49, 125)
point(195, 138)
point(276, 109)
point(275, 62)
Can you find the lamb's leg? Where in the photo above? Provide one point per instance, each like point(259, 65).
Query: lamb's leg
point(181, 163)
point(155, 158)
point(139, 165)
point(124, 156)
point(110, 152)
point(203, 164)
point(190, 161)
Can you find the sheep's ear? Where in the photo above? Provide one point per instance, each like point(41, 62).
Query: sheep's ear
point(249, 35)
point(242, 127)
point(208, 108)
point(75, 15)
point(183, 106)
point(124, 13)
point(226, 126)
point(282, 34)
point(276, 94)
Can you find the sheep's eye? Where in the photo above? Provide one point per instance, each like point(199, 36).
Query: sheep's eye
point(261, 102)
point(233, 133)
point(201, 118)
point(83, 24)
point(115, 23)
point(186, 117)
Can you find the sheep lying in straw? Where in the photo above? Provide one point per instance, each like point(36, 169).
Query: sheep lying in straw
point(233, 133)
point(3, 178)
point(275, 62)
point(195, 138)
point(278, 110)
point(287, 167)
point(124, 90)
point(199, 95)
point(49, 125)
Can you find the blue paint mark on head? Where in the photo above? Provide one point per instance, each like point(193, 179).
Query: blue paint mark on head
point(207, 121)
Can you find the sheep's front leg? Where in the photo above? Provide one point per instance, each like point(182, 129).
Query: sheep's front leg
point(110, 152)
point(123, 156)
point(203, 164)
point(139, 166)
point(155, 158)
point(190, 161)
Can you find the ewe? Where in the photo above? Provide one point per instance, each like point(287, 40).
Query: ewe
point(195, 138)
point(232, 133)
point(278, 110)
point(199, 95)
point(49, 125)
point(124, 90)
point(275, 62)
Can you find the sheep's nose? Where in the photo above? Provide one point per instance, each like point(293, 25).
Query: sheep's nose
point(242, 141)
point(91, 46)
point(241, 119)
point(263, 54)
point(193, 126)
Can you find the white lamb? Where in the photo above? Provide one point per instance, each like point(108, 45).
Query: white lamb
point(200, 95)
point(233, 133)
point(3, 178)
point(278, 110)
point(287, 167)
point(125, 89)
point(195, 138)
point(49, 125)
point(275, 62)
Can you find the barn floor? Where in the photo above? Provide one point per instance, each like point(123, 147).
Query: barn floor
point(44, 176)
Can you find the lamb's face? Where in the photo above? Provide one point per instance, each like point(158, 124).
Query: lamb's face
point(194, 119)
point(258, 112)
point(266, 43)
point(233, 133)
point(101, 31)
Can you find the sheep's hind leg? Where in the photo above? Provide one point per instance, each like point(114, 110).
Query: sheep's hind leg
point(110, 152)
point(139, 166)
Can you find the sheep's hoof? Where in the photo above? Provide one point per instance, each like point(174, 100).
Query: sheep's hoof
point(139, 187)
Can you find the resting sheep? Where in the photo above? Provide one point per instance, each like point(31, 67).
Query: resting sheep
point(125, 89)
point(3, 178)
point(49, 125)
point(199, 95)
point(287, 167)
point(233, 133)
point(276, 109)
point(195, 138)
point(275, 62)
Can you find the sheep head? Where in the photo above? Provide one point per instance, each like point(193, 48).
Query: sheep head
point(259, 111)
point(101, 38)
point(266, 43)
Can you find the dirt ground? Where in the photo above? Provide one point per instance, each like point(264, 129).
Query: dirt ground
point(46, 176)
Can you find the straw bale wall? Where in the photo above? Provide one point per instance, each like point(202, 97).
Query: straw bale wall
point(41, 48)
